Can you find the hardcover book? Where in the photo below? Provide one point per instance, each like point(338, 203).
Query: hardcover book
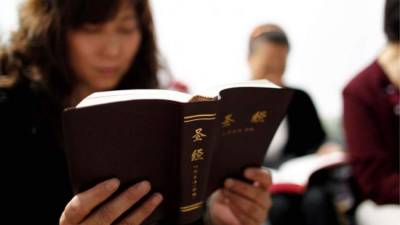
point(184, 145)
point(293, 175)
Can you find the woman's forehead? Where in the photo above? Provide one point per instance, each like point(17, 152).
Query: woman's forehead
point(126, 10)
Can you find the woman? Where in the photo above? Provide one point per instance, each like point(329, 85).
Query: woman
point(371, 116)
point(63, 51)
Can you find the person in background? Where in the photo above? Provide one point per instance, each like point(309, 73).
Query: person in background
point(63, 51)
point(371, 123)
point(268, 51)
point(299, 134)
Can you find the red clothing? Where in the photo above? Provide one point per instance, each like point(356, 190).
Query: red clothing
point(371, 122)
point(179, 86)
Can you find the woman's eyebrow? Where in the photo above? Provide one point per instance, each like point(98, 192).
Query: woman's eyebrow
point(127, 17)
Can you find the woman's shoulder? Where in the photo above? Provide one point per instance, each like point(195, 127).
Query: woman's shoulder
point(26, 115)
point(18, 94)
point(15, 111)
point(367, 82)
point(24, 100)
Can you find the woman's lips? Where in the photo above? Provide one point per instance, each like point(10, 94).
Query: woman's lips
point(108, 71)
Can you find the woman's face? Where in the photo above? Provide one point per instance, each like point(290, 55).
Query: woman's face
point(101, 54)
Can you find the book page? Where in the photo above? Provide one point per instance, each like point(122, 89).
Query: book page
point(137, 94)
point(105, 97)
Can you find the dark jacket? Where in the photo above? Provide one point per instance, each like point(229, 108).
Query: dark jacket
point(305, 131)
point(371, 122)
point(36, 173)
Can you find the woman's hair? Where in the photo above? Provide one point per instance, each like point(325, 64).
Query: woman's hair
point(37, 50)
point(391, 20)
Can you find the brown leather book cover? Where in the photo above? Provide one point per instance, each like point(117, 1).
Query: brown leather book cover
point(185, 150)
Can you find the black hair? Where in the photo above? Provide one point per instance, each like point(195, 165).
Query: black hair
point(276, 37)
point(391, 21)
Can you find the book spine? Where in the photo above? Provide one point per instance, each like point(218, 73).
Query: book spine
point(198, 144)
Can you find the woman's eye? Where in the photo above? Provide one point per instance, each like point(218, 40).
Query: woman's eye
point(127, 30)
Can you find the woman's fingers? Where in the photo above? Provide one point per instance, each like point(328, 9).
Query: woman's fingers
point(80, 208)
point(260, 176)
point(83, 203)
point(251, 209)
point(249, 199)
point(140, 214)
point(252, 193)
point(109, 212)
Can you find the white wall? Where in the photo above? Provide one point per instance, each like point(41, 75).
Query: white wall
point(205, 41)
point(8, 17)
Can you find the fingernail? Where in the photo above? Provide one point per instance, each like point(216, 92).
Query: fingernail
point(157, 198)
point(229, 183)
point(143, 186)
point(112, 184)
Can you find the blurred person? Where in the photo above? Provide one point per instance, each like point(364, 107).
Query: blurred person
point(268, 51)
point(299, 134)
point(371, 123)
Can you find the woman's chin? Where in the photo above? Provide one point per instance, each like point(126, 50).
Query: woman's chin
point(105, 86)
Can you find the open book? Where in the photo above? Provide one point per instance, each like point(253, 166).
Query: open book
point(293, 175)
point(184, 145)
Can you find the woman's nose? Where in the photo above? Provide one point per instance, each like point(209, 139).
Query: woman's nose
point(112, 46)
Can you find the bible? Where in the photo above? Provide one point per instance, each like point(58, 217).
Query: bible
point(293, 175)
point(184, 145)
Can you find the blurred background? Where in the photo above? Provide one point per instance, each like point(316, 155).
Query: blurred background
point(205, 42)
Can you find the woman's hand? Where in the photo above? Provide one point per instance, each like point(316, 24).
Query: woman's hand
point(82, 209)
point(239, 203)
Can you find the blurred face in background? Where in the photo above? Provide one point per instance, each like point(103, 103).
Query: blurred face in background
point(268, 61)
point(101, 54)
